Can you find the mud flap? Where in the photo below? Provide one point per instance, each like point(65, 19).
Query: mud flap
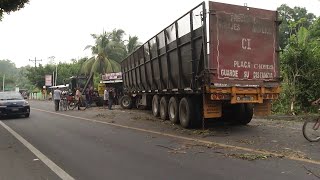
point(211, 109)
point(263, 109)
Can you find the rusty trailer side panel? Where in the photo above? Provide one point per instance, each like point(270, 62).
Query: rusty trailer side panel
point(171, 60)
point(243, 46)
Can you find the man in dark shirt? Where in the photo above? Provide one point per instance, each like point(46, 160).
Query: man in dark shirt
point(111, 98)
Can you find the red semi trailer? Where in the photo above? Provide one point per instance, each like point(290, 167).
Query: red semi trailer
point(220, 62)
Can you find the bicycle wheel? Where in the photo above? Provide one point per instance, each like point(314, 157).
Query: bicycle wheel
point(65, 104)
point(82, 105)
point(72, 105)
point(311, 130)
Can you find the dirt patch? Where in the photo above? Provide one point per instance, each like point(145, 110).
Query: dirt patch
point(249, 157)
point(204, 133)
point(296, 118)
point(109, 116)
point(292, 153)
point(145, 118)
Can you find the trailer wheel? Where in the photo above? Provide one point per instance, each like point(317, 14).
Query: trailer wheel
point(241, 114)
point(198, 111)
point(138, 102)
point(173, 110)
point(126, 102)
point(164, 108)
point(155, 106)
point(247, 114)
point(186, 112)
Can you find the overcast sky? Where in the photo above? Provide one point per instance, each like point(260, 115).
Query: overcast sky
point(62, 28)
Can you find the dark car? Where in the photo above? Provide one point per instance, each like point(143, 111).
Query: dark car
point(12, 103)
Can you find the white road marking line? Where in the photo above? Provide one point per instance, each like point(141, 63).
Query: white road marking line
point(55, 168)
point(206, 142)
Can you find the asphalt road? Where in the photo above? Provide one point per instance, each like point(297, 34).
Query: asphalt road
point(85, 149)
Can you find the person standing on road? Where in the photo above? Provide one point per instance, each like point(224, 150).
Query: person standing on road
point(57, 98)
point(87, 94)
point(105, 97)
point(78, 97)
point(91, 94)
point(111, 97)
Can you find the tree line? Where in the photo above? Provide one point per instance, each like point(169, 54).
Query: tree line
point(299, 60)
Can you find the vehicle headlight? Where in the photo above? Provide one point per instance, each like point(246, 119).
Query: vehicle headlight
point(26, 103)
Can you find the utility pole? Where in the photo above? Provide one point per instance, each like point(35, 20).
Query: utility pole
point(35, 61)
point(3, 78)
point(55, 74)
point(53, 77)
point(55, 80)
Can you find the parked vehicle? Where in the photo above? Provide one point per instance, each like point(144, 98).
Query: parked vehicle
point(12, 103)
point(220, 62)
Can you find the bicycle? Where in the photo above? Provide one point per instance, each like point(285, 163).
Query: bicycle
point(310, 127)
point(63, 103)
point(80, 103)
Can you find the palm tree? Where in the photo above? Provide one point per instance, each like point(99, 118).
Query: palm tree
point(116, 35)
point(133, 44)
point(99, 62)
point(116, 49)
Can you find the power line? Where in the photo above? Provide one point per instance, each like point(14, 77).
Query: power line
point(35, 61)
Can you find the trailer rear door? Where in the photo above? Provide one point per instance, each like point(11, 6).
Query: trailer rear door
point(243, 45)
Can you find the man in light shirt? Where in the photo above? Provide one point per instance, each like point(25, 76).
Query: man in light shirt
point(78, 97)
point(56, 98)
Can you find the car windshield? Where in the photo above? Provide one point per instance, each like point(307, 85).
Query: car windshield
point(10, 96)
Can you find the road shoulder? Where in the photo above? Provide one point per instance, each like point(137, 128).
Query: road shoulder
point(17, 162)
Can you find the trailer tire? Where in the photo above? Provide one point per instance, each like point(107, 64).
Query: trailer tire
point(138, 102)
point(247, 114)
point(126, 102)
point(198, 111)
point(155, 106)
point(241, 114)
point(186, 112)
point(164, 108)
point(173, 110)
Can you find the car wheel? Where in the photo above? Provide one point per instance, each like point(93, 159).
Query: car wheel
point(27, 115)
